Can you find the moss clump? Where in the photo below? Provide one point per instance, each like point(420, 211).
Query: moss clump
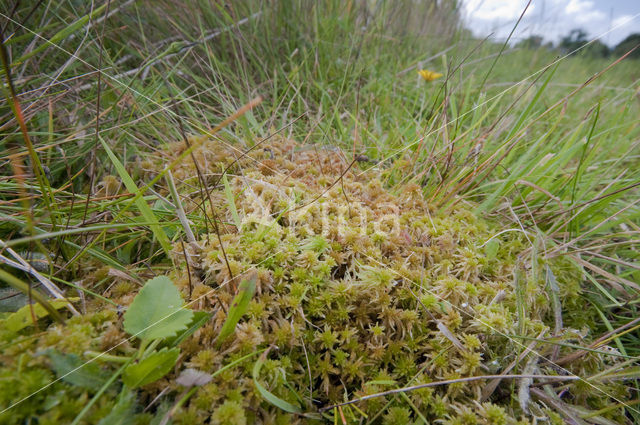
point(358, 283)
point(229, 413)
point(361, 290)
point(40, 393)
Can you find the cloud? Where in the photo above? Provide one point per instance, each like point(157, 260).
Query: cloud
point(584, 12)
point(622, 26)
point(496, 9)
point(578, 6)
point(622, 21)
point(552, 19)
point(589, 18)
point(495, 17)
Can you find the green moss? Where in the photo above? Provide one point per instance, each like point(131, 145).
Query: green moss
point(229, 413)
point(397, 416)
point(359, 297)
point(28, 381)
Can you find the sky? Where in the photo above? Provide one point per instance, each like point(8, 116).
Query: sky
point(613, 20)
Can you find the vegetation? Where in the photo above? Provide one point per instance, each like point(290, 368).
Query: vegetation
point(628, 44)
point(302, 212)
point(578, 42)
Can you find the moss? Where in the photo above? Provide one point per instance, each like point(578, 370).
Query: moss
point(29, 380)
point(360, 290)
point(397, 416)
point(229, 413)
point(494, 415)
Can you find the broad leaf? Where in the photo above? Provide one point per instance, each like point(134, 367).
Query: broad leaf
point(123, 412)
point(74, 370)
point(198, 320)
point(491, 249)
point(151, 368)
point(238, 307)
point(23, 317)
point(157, 311)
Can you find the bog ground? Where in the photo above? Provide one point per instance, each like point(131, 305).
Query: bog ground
point(301, 212)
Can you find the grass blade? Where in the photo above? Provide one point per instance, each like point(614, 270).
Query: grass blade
point(238, 308)
point(142, 205)
point(276, 401)
point(62, 34)
point(231, 201)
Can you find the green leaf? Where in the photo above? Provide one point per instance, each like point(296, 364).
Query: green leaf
point(276, 401)
point(199, 319)
point(18, 284)
point(238, 308)
point(142, 205)
point(157, 311)
point(123, 412)
point(491, 248)
point(74, 370)
point(151, 368)
point(87, 406)
point(23, 318)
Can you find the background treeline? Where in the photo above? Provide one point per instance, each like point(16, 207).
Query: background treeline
point(578, 39)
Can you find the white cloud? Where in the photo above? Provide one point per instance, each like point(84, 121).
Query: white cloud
point(496, 9)
point(584, 12)
point(578, 6)
point(622, 21)
point(589, 18)
point(622, 26)
point(552, 19)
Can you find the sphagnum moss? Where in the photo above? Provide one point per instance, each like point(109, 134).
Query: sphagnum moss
point(360, 290)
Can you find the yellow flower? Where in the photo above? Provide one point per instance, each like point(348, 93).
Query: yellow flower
point(429, 75)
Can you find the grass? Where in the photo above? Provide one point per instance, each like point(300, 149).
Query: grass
point(544, 146)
